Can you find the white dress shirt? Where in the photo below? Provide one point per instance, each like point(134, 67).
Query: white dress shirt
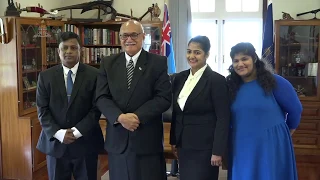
point(61, 133)
point(134, 58)
point(189, 85)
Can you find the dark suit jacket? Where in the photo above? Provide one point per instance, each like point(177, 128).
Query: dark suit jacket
point(167, 115)
point(55, 113)
point(148, 97)
point(204, 122)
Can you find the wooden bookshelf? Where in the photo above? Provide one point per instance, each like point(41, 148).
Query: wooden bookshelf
point(101, 39)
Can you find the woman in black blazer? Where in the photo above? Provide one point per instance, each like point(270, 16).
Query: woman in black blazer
point(201, 115)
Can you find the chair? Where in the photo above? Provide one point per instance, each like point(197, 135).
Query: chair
point(166, 117)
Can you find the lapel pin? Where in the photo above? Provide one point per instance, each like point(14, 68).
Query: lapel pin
point(140, 68)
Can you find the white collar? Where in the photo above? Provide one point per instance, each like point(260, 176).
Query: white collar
point(134, 58)
point(74, 69)
point(199, 72)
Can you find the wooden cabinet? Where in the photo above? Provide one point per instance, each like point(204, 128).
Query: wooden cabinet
point(297, 59)
point(31, 46)
point(23, 57)
point(153, 32)
point(37, 50)
point(38, 158)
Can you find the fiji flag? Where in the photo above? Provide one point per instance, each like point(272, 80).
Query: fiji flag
point(166, 44)
point(268, 39)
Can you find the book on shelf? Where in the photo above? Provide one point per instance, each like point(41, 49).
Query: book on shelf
point(95, 36)
point(95, 55)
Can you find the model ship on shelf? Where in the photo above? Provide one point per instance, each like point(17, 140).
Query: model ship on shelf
point(105, 6)
point(313, 12)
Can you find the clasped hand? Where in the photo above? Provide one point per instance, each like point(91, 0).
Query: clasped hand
point(69, 137)
point(129, 121)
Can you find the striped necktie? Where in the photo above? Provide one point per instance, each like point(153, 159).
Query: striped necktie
point(69, 85)
point(130, 68)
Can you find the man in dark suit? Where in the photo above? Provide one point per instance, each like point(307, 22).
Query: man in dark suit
point(71, 136)
point(133, 90)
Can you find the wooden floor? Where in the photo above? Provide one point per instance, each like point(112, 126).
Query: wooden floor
point(42, 174)
point(103, 159)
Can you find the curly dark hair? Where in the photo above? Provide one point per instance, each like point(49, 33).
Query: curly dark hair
point(264, 71)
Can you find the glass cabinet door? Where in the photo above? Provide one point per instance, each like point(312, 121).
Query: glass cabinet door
point(30, 64)
point(298, 55)
point(52, 36)
point(152, 42)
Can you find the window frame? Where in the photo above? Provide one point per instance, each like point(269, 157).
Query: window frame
point(221, 14)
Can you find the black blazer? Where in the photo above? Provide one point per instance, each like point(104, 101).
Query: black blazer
point(55, 113)
point(149, 96)
point(167, 115)
point(204, 122)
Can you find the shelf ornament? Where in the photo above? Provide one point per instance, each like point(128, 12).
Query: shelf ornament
point(313, 12)
point(105, 7)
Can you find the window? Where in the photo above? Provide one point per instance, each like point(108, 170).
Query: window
point(231, 22)
point(242, 5)
point(209, 29)
point(202, 5)
point(236, 31)
point(250, 5)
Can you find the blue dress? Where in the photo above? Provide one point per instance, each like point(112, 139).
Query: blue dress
point(261, 146)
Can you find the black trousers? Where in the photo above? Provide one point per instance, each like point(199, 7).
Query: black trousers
point(82, 168)
point(132, 166)
point(196, 165)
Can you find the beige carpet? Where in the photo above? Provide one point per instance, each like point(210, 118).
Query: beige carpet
point(222, 175)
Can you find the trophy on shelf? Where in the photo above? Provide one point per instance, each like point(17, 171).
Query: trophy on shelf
point(300, 90)
point(34, 64)
point(155, 12)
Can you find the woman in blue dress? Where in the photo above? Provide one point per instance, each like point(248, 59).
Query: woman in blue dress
point(265, 112)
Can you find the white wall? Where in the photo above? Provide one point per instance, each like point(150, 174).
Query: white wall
point(294, 7)
point(139, 7)
point(47, 4)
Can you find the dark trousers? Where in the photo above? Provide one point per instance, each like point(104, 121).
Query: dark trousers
point(196, 165)
point(83, 168)
point(132, 166)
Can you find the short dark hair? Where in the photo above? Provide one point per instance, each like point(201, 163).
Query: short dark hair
point(69, 35)
point(203, 41)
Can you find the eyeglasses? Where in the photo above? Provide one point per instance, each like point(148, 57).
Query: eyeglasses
point(132, 35)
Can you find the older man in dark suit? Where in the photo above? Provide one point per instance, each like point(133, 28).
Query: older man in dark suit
point(133, 90)
point(71, 136)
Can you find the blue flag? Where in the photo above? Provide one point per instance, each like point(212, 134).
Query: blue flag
point(268, 38)
point(166, 45)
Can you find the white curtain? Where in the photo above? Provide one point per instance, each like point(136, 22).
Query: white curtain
point(180, 20)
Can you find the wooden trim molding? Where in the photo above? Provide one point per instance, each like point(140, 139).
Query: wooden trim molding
point(264, 13)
